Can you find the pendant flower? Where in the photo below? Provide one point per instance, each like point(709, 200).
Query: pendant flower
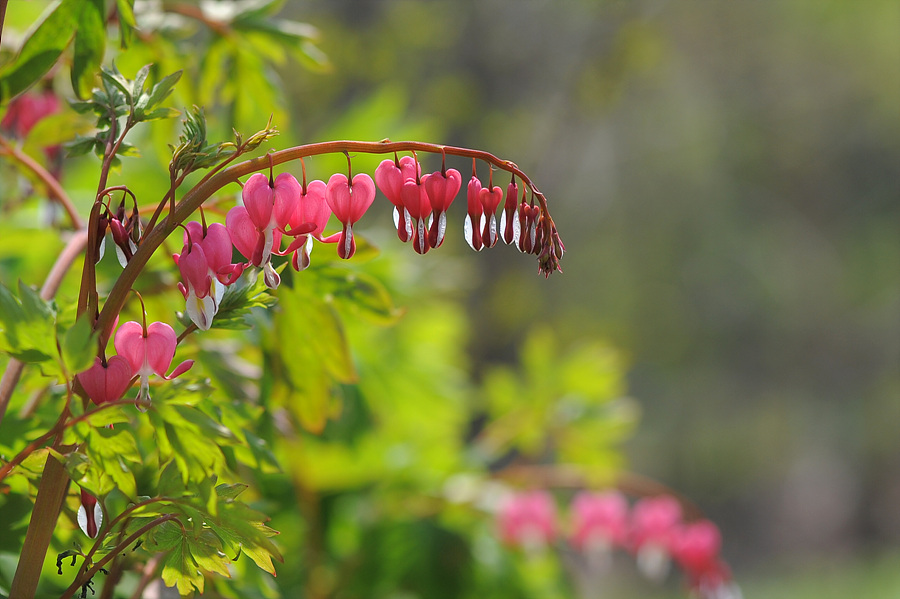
point(206, 268)
point(390, 177)
point(474, 213)
point(441, 187)
point(528, 520)
point(311, 214)
point(257, 226)
point(107, 382)
point(149, 350)
point(349, 202)
point(90, 515)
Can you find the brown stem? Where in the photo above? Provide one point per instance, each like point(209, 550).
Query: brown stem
point(52, 491)
point(66, 258)
point(69, 592)
point(56, 191)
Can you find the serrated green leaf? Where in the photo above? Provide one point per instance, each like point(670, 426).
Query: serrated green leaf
point(79, 345)
point(41, 50)
point(181, 571)
point(161, 90)
point(90, 44)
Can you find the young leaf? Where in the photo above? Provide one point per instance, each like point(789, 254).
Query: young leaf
point(127, 22)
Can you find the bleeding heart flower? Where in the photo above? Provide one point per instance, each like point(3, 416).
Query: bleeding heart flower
point(490, 198)
point(308, 221)
point(348, 203)
point(599, 521)
point(257, 226)
point(108, 382)
point(206, 268)
point(149, 351)
point(654, 524)
point(528, 520)
point(509, 221)
point(90, 515)
point(474, 212)
point(390, 176)
point(441, 188)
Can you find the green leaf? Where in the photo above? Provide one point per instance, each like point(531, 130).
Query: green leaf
point(358, 293)
point(79, 346)
point(27, 325)
point(161, 90)
point(127, 22)
point(140, 78)
point(41, 50)
point(90, 43)
point(163, 112)
point(180, 570)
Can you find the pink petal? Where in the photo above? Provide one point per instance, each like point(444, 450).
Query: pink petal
point(129, 343)
point(287, 194)
point(312, 208)
point(259, 199)
point(118, 377)
point(195, 270)
point(180, 369)
point(160, 346)
point(217, 246)
point(442, 189)
point(362, 194)
point(390, 179)
point(242, 230)
point(337, 195)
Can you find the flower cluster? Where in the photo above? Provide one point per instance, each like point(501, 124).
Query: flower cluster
point(653, 530)
point(141, 351)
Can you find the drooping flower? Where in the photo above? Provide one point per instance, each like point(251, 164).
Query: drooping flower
point(417, 206)
point(599, 521)
point(108, 382)
point(490, 198)
point(149, 351)
point(654, 524)
point(696, 548)
point(311, 214)
point(26, 110)
point(206, 268)
point(257, 226)
point(474, 214)
point(509, 221)
point(441, 187)
point(90, 515)
point(528, 520)
point(390, 176)
point(349, 202)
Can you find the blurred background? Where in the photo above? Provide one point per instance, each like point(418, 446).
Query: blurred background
point(726, 177)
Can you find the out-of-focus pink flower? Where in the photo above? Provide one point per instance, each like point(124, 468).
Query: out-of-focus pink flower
point(696, 548)
point(654, 524)
point(149, 351)
point(90, 515)
point(528, 519)
point(599, 520)
point(26, 110)
point(349, 202)
point(104, 383)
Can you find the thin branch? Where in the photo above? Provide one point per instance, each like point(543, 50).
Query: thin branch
point(73, 588)
point(56, 191)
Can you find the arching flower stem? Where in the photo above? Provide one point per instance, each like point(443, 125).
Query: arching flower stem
point(193, 199)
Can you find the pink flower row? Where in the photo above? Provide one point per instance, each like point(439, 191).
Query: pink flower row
point(273, 209)
point(653, 530)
